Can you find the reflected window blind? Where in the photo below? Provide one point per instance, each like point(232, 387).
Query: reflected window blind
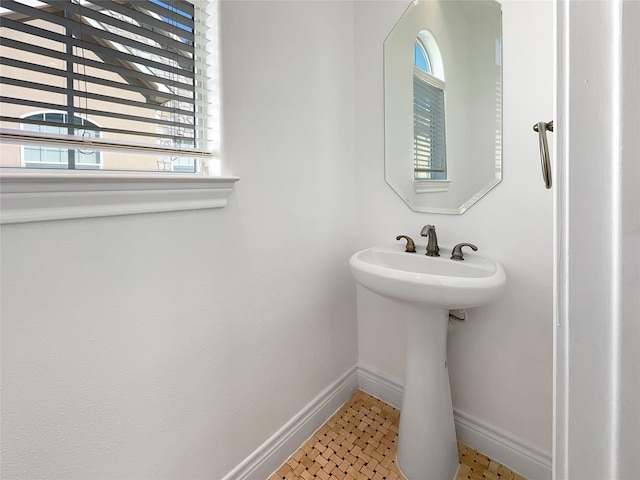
point(428, 127)
point(134, 72)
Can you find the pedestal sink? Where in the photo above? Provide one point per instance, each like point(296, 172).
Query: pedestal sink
point(427, 287)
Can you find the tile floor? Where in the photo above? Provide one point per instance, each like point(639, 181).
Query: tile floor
point(359, 443)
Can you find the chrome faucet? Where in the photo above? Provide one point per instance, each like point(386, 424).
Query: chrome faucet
point(429, 231)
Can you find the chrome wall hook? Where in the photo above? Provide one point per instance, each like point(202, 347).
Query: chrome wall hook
point(542, 128)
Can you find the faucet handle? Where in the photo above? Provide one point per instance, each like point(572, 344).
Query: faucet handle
point(457, 250)
point(411, 246)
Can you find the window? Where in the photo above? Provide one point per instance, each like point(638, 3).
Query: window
point(429, 142)
point(134, 75)
point(420, 57)
point(173, 163)
point(37, 156)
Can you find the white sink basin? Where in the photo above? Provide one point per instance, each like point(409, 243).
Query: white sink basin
point(439, 281)
point(427, 287)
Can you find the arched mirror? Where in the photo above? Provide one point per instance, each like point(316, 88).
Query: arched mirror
point(443, 104)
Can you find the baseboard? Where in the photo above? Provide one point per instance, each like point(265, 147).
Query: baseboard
point(269, 456)
point(498, 444)
point(517, 454)
point(381, 386)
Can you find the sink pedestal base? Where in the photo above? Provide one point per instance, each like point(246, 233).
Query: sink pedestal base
point(427, 448)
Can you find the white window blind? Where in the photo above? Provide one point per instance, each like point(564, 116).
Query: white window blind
point(108, 75)
point(428, 127)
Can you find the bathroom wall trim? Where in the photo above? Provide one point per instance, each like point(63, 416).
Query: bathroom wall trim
point(381, 386)
point(488, 439)
point(502, 446)
point(269, 456)
point(36, 197)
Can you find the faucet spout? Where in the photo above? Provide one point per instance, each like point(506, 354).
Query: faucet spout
point(429, 231)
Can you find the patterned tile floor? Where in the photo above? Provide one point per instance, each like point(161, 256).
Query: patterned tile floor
point(359, 443)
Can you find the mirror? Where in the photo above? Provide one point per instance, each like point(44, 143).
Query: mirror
point(443, 104)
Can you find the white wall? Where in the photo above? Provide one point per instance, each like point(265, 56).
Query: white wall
point(172, 345)
point(501, 358)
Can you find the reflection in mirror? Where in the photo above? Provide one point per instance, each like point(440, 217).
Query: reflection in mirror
point(429, 147)
point(443, 104)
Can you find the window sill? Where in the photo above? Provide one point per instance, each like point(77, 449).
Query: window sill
point(36, 197)
point(431, 186)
